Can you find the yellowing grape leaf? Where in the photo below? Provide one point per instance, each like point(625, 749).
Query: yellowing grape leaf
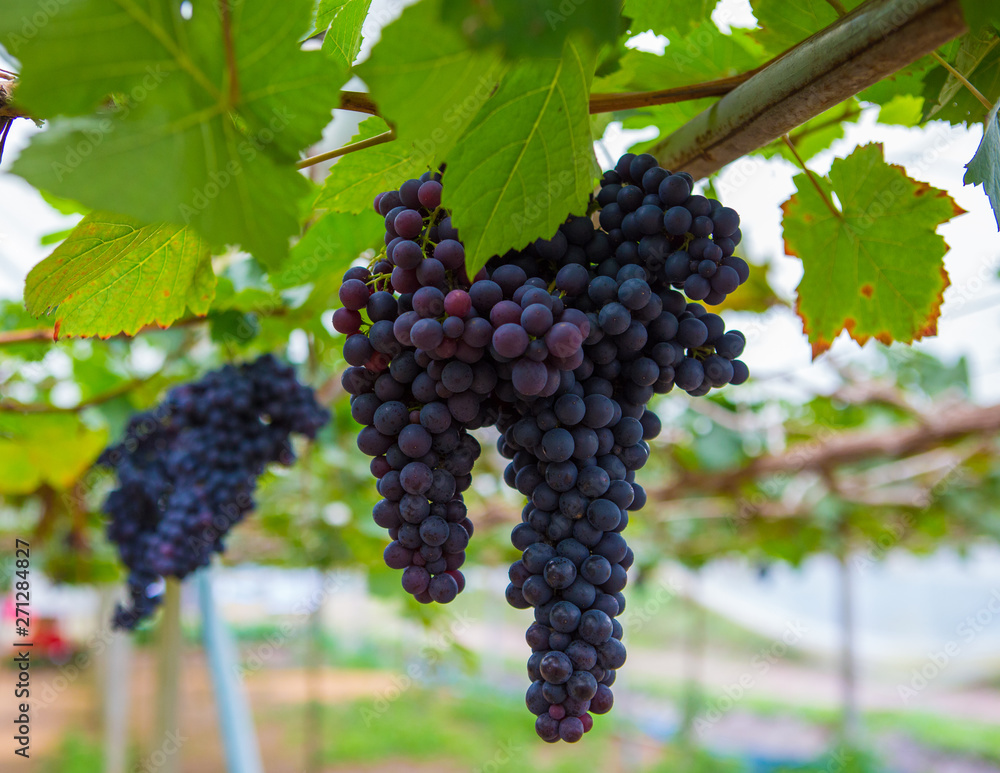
point(45, 448)
point(114, 275)
point(874, 266)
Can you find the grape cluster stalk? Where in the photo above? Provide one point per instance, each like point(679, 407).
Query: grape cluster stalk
point(561, 346)
point(187, 470)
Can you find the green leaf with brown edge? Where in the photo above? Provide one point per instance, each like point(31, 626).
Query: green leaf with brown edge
point(527, 160)
point(354, 180)
point(38, 449)
point(875, 268)
point(984, 168)
point(114, 275)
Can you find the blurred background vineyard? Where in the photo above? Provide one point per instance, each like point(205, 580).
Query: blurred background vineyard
point(817, 575)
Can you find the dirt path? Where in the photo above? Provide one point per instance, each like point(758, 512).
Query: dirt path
point(73, 705)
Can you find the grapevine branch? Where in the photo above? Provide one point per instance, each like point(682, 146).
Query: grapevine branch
point(935, 429)
point(48, 334)
point(609, 103)
point(819, 189)
point(872, 42)
point(13, 406)
point(378, 139)
point(358, 102)
point(232, 73)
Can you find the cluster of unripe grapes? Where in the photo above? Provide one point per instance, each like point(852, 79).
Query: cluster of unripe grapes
point(560, 346)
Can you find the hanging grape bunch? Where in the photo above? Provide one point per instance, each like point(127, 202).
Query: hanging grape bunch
point(187, 470)
point(561, 346)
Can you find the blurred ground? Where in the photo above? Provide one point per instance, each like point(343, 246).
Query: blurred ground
point(364, 705)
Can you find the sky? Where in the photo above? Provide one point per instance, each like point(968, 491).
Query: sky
point(777, 352)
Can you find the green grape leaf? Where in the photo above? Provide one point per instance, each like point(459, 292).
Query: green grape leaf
point(946, 99)
point(984, 168)
point(326, 10)
point(228, 298)
point(784, 23)
point(329, 247)
point(527, 160)
point(876, 268)
point(973, 51)
point(430, 93)
point(902, 110)
point(193, 136)
point(534, 28)
point(356, 178)
point(38, 449)
point(704, 55)
point(114, 275)
point(981, 15)
point(668, 16)
point(342, 41)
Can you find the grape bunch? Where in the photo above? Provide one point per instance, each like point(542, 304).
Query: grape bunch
point(419, 380)
point(187, 470)
point(560, 346)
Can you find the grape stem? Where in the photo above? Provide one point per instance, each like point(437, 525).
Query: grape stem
point(609, 103)
point(599, 103)
point(838, 7)
point(358, 102)
point(13, 406)
point(962, 79)
point(232, 73)
point(47, 335)
point(819, 189)
point(378, 139)
point(806, 130)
